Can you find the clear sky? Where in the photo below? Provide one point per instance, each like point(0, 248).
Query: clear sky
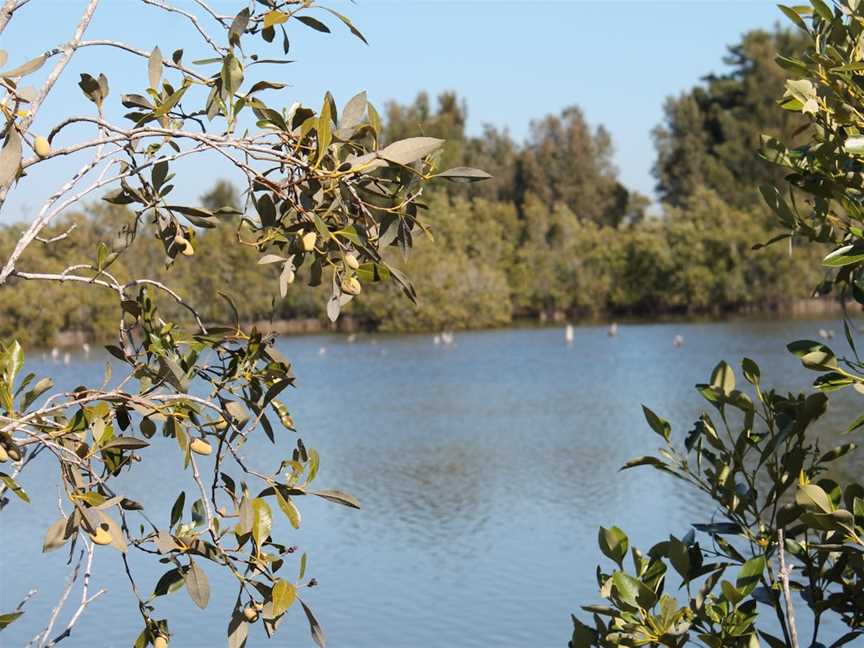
point(512, 61)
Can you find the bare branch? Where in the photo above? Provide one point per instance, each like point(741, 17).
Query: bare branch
point(142, 53)
point(85, 599)
point(191, 17)
point(65, 55)
point(59, 237)
point(785, 572)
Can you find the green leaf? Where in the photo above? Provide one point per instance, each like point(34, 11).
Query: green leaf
point(822, 9)
point(644, 461)
point(177, 509)
point(38, 389)
point(6, 619)
point(324, 129)
point(314, 626)
point(314, 23)
point(723, 378)
point(56, 536)
point(812, 498)
point(792, 15)
point(12, 485)
point(284, 594)
point(262, 521)
point(238, 26)
point(125, 443)
point(410, 150)
point(24, 69)
point(338, 497)
point(613, 543)
point(197, 584)
point(657, 424)
point(10, 157)
point(354, 111)
point(632, 591)
point(463, 174)
point(731, 593)
point(169, 582)
point(819, 361)
point(836, 453)
point(679, 556)
point(750, 574)
point(348, 24)
point(195, 215)
point(843, 256)
point(154, 68)
point(288, 508)
point(274, 17)
point(751, 371)
point(238, 630)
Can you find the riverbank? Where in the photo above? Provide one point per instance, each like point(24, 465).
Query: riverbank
point(798, 309)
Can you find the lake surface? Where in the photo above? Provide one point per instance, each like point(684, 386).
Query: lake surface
point(484, 470)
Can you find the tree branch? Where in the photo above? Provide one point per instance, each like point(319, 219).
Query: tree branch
point(785, 572)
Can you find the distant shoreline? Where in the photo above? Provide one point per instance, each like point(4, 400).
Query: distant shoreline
point(799, 309)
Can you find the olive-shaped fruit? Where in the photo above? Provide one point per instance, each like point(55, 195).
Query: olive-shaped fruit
point(308, 241)
point(42, 147)
point(351, 286)
point(351, 261)
point(201, 447)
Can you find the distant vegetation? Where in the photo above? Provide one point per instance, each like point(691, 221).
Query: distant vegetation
point(558, 191)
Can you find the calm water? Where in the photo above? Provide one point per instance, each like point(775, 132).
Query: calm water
point(484, 471)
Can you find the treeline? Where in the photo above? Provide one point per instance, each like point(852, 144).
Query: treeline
point(559, 190)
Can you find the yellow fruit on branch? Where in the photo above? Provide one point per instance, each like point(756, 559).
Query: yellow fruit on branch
point(160, 642)
point(4, 456)
point(184, 243)
point(351, 261)
point(351, 286)
point(42, 147)
point(308, 241)
point(250, 614)
point(201, 447)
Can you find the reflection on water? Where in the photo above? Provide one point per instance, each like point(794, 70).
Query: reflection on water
point(484, 469)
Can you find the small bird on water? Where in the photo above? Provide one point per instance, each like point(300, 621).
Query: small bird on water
point(613, 329)
point(568, 334)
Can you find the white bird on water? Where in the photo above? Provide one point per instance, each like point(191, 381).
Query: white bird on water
point(568, 334)
point(678, 341)
point(826, 335)
point(66, 358)
point(613, 329)
point(436, 340)
point(55, 354)
point(447, 338)
point(86, 348)
point(322, 351)
point(352, 338)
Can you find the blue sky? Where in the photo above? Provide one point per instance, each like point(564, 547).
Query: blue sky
point(512, 61)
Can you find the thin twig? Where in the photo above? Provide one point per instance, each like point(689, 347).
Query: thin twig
point(785, 572)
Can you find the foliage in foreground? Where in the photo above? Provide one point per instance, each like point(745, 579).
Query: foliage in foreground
point(783, 537)
point(323, 199)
